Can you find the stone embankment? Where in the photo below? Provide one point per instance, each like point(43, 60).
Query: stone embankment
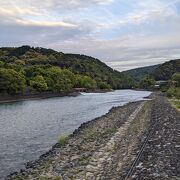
point(135, 141)
point(160, 158)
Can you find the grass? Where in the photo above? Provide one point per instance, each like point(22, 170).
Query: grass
point(62, 140)
point(83, 160)
point(90, 134)
point(175, 103)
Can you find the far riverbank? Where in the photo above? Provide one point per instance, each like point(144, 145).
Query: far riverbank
point(43, 95)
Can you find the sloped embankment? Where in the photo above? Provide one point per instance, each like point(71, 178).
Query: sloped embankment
point(136, 141)
point(99, 149)
point(159, 159)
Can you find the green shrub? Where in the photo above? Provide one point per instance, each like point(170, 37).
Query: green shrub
point(173, 93)
point(104, 85)
point(62, 140)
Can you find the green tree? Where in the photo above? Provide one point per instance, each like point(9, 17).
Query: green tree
point(32, 71)
point(2, 64)
point(176, 79)
point(11, 81)
point(38, 83)
point(85, 82)
point(104, 85)
point(147, 83)
point(60, 80)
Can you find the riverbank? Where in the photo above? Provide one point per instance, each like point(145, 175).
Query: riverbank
point(106, 147)
point(73, 158)
point(43, 95)
point(20, 97)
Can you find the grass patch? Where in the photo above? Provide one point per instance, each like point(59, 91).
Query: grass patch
point(90, 134)
point(83, 160)
point(110, 130)
point(175, 103)
point(62, 140)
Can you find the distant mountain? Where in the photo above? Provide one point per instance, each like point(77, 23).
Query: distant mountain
point(139, 73)
point(78, 64)
point(166, 70)
point(158, 72)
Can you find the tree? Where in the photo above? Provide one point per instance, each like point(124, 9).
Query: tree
point(85, 82)
point(60, 80)
point(147, 83)
point(32, 71)
point(1, 64)
point(176, 79)
point(38, 83)
point(11, 81)
point(104, 85)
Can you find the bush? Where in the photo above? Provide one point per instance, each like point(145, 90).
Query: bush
point(176, 79)
point(104, 85)
point(38, 83)
point(62, 140)
point(147, 83)
point(11, 81)
point(170, 92)
point(173, 93)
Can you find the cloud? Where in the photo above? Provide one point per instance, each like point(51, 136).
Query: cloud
point(127, 52)
point(148, 11)
point(44, 23)
point(122, 33)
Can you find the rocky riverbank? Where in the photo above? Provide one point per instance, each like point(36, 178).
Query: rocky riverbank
point(107, 147)
point(160, 157)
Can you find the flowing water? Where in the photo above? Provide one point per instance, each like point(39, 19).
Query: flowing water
point(29, 128)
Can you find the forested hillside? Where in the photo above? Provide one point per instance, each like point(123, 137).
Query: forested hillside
point(166, 70)
point(40, 69)
point(145, 77)
point(140, 73)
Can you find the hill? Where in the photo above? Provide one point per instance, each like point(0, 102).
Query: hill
point(36, 65)
point(140, 73)
point(166, 70)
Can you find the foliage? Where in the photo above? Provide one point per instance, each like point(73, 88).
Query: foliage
point(85, 82)
point(104, 85)
point(140, 73)
point(147, 83)
point(173, 93)
point(59, 80)
point(176, 79)
point(62, 140)
point(38, 83)
point(175, 103)
point(166, 70)
point(173, 88)
point(11, 81)
point(33, 62)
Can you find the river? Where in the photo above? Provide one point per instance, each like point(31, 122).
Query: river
point(29, 128)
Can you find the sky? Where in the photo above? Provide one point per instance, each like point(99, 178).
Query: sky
point(124, 34)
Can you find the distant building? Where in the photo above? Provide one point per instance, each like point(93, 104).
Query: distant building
point(80, 89)
point(160, 83)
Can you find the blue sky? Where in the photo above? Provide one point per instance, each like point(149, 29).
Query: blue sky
point(122, 33)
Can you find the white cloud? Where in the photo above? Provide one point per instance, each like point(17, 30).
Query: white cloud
point(45, 23)
point(150, 10)
point(146, 34)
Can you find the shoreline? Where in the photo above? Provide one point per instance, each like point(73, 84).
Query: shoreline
point(45, 95)
point(93, 150)
point(19, 98)
point(30, 166)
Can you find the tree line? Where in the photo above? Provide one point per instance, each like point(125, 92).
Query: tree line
point(38, 78)
point(39, 69)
